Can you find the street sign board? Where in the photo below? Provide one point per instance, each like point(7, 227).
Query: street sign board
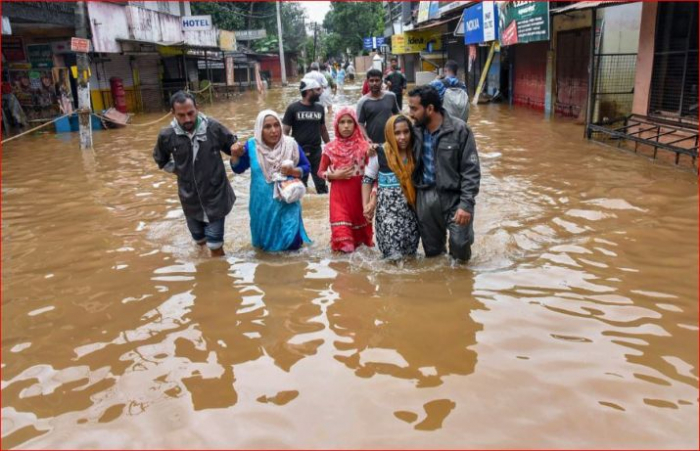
point(250, 35)
point(373, 43)
point(80, 45)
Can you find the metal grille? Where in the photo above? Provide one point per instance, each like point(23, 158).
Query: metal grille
point(613, 86)
point(674, 83)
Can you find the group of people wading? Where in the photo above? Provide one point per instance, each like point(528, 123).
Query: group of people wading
point(415, 176)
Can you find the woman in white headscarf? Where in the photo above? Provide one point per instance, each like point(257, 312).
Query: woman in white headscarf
point(272, 157)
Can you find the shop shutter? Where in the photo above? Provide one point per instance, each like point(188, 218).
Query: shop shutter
point(530, 73)
point(150, 83)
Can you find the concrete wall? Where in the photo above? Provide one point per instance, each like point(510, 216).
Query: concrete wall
point(621, 28)
point(645, 58)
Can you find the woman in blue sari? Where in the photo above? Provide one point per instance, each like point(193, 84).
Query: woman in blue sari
point(275, 225)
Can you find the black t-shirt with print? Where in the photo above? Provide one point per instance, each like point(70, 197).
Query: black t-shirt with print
point(306, 124)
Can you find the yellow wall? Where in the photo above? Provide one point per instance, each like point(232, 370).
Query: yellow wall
point(102, 99)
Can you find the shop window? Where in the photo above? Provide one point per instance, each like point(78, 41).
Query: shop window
point(674, 83)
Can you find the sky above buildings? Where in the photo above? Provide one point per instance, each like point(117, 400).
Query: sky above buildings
point(316, 11)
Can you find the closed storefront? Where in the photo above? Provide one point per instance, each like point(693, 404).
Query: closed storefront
point(149, 83)
point(573, 56)
point(529, 74)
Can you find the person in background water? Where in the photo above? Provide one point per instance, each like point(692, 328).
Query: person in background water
point(375, 108)
point(396, 81)
point(316, 74)
point(343, 164)
point(305, 121)
point(448, 80)
point(351, 72)
point(447, 176)
point(329, 90)
point(392, 168)
point(275, 225)
point(341, 76)
point(190, 148)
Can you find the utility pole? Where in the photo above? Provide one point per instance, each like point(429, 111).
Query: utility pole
point(279, 40)
point(84, 110)
point(315, 31)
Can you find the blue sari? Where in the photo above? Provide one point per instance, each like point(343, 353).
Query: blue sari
point(275, 225)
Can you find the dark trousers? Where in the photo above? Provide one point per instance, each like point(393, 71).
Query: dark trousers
point(435, 211)
point(399, 99)
point(314, 157)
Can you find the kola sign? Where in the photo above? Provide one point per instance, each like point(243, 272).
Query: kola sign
point(196, 23)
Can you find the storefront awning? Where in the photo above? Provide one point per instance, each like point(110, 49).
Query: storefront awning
point(579, 6)
point(178, 44)
point(436, 24)
point(161, 44)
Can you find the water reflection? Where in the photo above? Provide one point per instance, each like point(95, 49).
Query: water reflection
point(388, 326)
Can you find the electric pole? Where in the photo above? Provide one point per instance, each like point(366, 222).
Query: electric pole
point(84, 111)
point(315, 31)
point(279, 40)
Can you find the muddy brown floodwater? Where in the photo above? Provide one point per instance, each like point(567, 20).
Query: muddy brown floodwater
point(574, 326)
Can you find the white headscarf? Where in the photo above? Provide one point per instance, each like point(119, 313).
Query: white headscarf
point(270, 159)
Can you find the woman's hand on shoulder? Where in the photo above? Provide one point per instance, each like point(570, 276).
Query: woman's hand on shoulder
point(372, 149)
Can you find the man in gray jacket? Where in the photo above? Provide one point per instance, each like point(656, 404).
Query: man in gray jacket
point(190, 148)
point(446, 176)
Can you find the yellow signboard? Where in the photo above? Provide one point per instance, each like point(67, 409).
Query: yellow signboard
point(417, 41)
point(227, 40)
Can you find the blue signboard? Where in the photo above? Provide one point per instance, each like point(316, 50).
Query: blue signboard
point(372, 43)
point(480, 23)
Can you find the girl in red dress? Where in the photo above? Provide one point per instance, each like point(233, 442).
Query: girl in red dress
point(343, 164)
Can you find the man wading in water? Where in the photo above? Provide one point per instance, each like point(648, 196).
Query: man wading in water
point(446, 176)
point(305, 121)
point(189, 148)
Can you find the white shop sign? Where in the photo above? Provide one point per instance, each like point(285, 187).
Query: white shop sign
point(196, 23)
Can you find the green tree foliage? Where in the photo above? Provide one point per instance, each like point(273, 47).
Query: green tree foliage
point(348, 22)
point(254, 15)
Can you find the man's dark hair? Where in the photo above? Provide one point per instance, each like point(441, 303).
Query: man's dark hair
point(324, 67)
point(393, 58)
point(428, 96)
point(182, 97)
point(374, 73)
point(452, 66)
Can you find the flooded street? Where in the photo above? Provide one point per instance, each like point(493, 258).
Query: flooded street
point(575, 324)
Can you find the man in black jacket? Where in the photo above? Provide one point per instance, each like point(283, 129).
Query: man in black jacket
point(190, 148)
point(446, 176)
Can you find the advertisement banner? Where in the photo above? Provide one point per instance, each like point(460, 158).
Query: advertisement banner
point(40, 55)
point(523, 22)
point(417, 41)
point(480, 23)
